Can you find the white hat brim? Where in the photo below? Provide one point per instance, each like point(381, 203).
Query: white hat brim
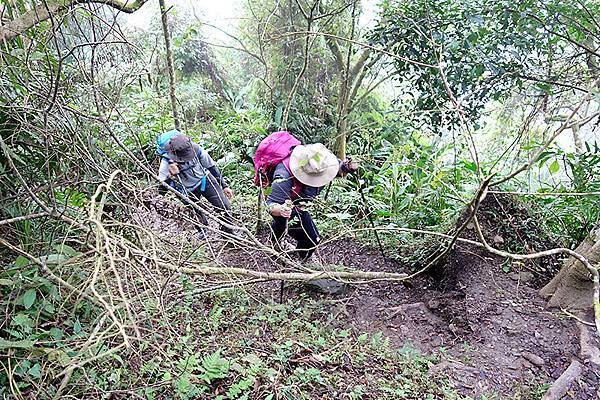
point(314, 180)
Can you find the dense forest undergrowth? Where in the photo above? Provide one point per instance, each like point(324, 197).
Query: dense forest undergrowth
point(459, 262)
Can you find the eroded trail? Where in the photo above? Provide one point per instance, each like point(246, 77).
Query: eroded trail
point(479, 313)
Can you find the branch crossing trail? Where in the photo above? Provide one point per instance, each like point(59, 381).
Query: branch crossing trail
point(484, 315)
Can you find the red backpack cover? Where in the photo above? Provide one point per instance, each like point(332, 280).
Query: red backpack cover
point(273, 149)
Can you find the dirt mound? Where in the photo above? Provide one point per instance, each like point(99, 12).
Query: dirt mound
point(479, 311)
point(508, 225)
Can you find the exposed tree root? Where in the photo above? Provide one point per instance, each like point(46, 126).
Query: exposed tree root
point(590, 353)
point(561, 385)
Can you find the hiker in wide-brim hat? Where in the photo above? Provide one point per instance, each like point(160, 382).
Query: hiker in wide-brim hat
point(190, 169)
point(295, 180)
point(314, 165)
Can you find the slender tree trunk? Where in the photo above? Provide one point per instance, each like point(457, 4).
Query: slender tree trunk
point(342, 135)
point(343, 106)
point(571, 288)
point(592, 60)
point(170, 68)
point(351, 77)
point(577, 139)
point(292, 93)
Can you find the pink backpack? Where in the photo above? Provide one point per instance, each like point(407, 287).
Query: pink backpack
point(273, 149)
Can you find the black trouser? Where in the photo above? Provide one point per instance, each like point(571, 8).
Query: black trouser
point(213, 192)
point(303, 230)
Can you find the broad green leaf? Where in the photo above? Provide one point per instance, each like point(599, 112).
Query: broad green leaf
point(49, 308)
point(21, 261)
point(35, 371)
point(17, 52)
point(14, 333)
point(6, 282)
point(278, 114)
point(24, 321)
point(118, 358)
point(77, 327)
point(59, 356)
point(66, 249)
point(471, 166)
point(10, 152)
point(56, 333)
point(554, 167)
point(36, 56)
point(29, 298)
point(149, 392)
point(53, 258)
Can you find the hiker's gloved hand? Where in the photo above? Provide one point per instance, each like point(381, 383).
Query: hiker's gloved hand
point(173, 169)
point(228, 192)
point(280, 210)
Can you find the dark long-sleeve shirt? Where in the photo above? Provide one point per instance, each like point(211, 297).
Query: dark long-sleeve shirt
point(282, 185)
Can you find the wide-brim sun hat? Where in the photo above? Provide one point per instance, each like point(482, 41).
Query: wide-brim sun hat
point(313, 164)
point(180, 148)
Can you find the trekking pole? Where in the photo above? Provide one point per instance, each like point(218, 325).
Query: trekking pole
point(369, 217)
point(327, 191)
point(290, 206)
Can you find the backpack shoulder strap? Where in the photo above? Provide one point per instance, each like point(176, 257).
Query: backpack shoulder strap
point(297, 186)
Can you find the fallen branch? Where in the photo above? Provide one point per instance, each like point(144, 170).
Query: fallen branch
point(287, 276)
point(567, 194)
point(23, 218)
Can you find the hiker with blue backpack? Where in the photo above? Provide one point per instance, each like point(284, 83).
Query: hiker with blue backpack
point(189, 169)
point(296, 173)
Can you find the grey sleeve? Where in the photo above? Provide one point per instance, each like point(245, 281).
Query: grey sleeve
point(163, 170)
point(205, 159)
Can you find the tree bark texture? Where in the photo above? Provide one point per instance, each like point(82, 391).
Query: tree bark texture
point(170, 68)
point(571, 288)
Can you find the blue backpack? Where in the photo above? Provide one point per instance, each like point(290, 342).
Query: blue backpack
point(162, 140)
